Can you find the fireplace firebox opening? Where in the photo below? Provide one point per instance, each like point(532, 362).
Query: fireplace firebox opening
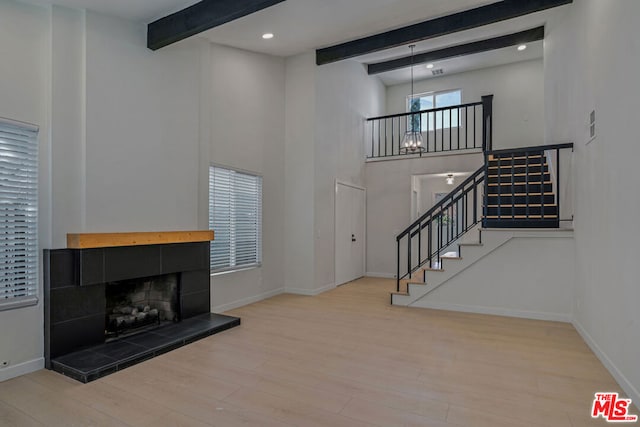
point(137, 305)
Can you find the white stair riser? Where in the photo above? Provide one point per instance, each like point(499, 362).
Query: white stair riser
point(452, 267)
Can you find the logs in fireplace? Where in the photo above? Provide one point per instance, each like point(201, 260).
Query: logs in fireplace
point(140, 304)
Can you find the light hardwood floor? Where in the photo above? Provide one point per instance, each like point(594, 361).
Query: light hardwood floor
point(344, 358)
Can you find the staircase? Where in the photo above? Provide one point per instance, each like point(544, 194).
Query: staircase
point(515, 189)
point(476, 245)
point(519, 191)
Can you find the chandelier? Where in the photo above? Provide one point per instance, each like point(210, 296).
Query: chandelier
point(412, 140)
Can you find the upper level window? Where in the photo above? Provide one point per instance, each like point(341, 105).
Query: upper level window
point(235, 214)
point(440, 119)
point(18, 214)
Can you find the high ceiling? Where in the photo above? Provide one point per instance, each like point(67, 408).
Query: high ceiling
point(135, 10)
point(466, 63)
point(298, 25)
point(304, 25)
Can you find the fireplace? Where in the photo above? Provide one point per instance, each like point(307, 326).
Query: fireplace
point(138, 305)
point(107, 308)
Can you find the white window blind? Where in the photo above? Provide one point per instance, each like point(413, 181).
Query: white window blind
point(235, 215)
point(18, 214)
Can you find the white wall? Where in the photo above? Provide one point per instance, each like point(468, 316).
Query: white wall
point(247, 128)
point(592, 60)
point(429, 185)
point(24, 96)
point(518, 103)
point(345, 97)
point(530, 277)
point(389, 202)
point(142, 130)
point(299, 262)
point(67, 109)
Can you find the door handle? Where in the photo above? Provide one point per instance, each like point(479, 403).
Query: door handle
point(353, 237)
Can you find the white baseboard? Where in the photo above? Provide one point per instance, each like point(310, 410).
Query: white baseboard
point(496, 311)
point(246, 301)
point(21, 369)
point(310, 292)
point(380, 275)
point(626, 385)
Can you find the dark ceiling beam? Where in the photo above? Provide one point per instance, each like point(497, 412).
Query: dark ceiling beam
point(527, 36)
point(200, 17)
point(472, 18)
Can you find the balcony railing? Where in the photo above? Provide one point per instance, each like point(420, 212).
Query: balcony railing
point(447, 129)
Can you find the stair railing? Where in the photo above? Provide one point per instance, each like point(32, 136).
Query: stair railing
point(441, 226)
point(446, 129)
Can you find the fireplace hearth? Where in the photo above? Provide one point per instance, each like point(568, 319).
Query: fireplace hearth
point(109, 308)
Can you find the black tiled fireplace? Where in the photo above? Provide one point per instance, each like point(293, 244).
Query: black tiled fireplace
point(109, 308)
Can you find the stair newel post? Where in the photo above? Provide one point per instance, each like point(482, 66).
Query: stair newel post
point(558, 184)
point(429, 244)
point(419, 243)
point(409, 254)
point(487, 123)
point(439, 237)
point(398, 265)
point(475, 202)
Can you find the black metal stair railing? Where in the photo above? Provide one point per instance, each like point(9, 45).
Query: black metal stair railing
point(447, 129)
point(516, 188)
point(440, 227)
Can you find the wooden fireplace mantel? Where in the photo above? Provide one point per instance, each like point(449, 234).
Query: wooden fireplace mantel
point(107, 240)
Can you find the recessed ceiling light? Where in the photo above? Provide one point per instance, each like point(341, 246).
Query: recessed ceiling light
point(267, 36)
point(429, 66)
point(522, 47)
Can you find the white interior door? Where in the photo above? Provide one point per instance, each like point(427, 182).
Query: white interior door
point(350, 233)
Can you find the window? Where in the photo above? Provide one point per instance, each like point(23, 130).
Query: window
point(235, 214)
point(18, 214)
point(439, 119)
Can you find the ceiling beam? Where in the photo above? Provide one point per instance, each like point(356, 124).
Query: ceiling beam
point(527, 36)
point(200, 17)
point(472, 18)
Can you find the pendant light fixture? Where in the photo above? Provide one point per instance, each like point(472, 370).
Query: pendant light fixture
point(450, 179)
point(412, 141)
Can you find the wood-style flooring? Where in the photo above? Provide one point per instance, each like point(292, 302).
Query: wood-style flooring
point(344, 358)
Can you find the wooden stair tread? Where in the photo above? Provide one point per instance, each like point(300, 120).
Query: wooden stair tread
point(416, 281)
point(450, 257)
point(495, 159)
point(521, 194)
point(531, 165)
point(518, 174)
point(507, 217)
point(518, 183)
point(508, 205)
point(469, 244)
point(405, 294)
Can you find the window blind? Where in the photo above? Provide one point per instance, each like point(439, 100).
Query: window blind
point(235, 214)
point(18, 214)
